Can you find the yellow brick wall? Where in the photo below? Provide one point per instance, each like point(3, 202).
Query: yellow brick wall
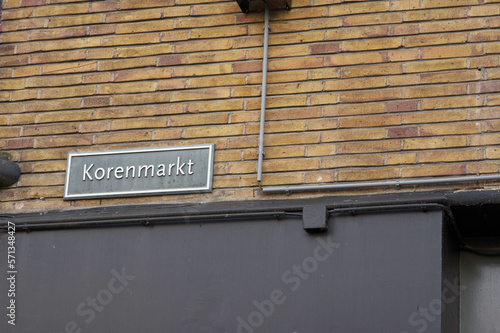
point(358, 91)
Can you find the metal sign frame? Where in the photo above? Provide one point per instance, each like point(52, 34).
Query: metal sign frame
point(70, 194)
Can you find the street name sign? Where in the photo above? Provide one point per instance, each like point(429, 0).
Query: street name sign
point(139, 172)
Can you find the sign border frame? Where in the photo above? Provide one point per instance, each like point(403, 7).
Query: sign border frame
point(208, 188)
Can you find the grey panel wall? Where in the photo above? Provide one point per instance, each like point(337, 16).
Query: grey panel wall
point(480, 301)
point(368, 273)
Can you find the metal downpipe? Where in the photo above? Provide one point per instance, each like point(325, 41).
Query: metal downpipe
point(263, 96)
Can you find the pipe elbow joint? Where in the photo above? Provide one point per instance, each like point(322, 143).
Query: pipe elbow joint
point(9, 172)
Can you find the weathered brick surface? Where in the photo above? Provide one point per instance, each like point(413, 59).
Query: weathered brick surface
point(357, 90)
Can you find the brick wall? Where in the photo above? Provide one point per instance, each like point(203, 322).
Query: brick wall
point(358, 90)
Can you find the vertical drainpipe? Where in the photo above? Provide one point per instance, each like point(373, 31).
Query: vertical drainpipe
point(263, 96)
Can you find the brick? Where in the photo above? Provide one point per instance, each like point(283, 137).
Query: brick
point(434, 170)
point(142, 51)
point(354, 135)
point(370, 96)
point(224, 105)
point(219, 32)
point(143, 98)
point(371, 70)
point(58, 33)
point(324, 99)
point(435, 143)
point(292, 139)
point(431, 91)
point(104, 6)
point(358, 8)
point(372, 44)
point(436, 14)
point(373, 19)
point(20, 143)
point(75, 20)
point(277, 127)
point(129, 136)
point(357, 33)
point(321, 150)
point(50, 142)
point(434, 117)
point(440, 39)
point(57, 57)
point(356, 59)
point(370, 121)
point(450, 129)
point(203, 82)
point(73, 91)
point(172, 59)
point(401, 158)
point(352, 161)
point(142, 74)
point(482, 167)
point(132, 4)
point(454, 25)
point(196, 120)
point(402, 106)
point(202, 70)
point(435, 65)
point(216, 93)
point(138, 123)
point(354, 109)
point(79, 67)
point(402, 132)
point(453, 102)
point(294, 88)
point(129, 16)
point(290, 64)
point(14, 61)
point(326, 23)
point(290, 165)
point(296, 38)
point(452, 51)
point(66, 116)
point(50, 129)
point(373, 147)
point(325, 48)
point(368, 174)
point(20, 95)
point(450, 155)
point(144, 38)
point(404, 55)
point(109, 65)
point(214, 131)
point(352, 84)
point(41, 180)
point(217, 57)
point(12, 84)
point(457, 76)
point(52, 81)
point(15, 14)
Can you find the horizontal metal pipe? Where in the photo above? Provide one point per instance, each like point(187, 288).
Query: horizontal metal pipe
point(396, 183)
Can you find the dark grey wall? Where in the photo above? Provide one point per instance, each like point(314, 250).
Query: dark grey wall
point(480, 301)
point(368, 273)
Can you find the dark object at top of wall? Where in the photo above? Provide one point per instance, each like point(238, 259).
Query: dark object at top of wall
point(256, 6)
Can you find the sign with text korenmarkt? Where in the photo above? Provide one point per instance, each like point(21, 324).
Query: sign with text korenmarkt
point(139, 172)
